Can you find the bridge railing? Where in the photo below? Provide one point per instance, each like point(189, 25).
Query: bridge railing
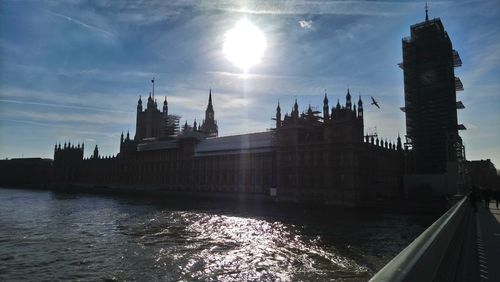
point(435, 254)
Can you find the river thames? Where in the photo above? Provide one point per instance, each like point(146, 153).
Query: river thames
point(56, 236)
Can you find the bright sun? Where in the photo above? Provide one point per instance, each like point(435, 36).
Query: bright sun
point(244, 45)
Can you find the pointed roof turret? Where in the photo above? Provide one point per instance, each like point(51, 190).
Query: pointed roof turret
point(348, 103)
point(426, 12)
point(399, 145)
point(325, 100)
point(210, 107)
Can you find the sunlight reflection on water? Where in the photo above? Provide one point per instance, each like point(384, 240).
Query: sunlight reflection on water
point(51, 236)
point(225, 248)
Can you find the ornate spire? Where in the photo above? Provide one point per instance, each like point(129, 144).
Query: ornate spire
point(399, 145)
point(153, 81)
point(210, 97)
point(165, 106)
point(360, 107)
point(278, 115)
point(348, 103)
point(426, 12)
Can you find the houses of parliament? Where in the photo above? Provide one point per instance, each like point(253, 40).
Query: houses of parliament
point(308, 155)
point(312, 155)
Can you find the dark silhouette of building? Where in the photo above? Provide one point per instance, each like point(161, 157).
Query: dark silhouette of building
point(306, 157)
point(153, 124)
point(26, 172)
point(209, 125)
point(483, 174)
point(431, 108)
point(67, 162)
point(430, 97)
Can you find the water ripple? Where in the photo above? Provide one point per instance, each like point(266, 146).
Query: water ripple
point(46, 236)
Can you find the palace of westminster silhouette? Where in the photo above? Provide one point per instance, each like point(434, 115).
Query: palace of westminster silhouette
point(323, 156)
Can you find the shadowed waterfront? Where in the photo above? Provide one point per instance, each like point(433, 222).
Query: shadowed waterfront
point(46, 235)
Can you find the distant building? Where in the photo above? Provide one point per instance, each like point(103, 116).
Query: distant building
point(483, 173)
point(306, 157)
point(26, 172)
point(430, 101)
point(153, 124)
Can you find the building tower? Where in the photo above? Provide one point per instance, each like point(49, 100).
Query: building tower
point(326, 109)
point(348, 102)
point(430, 96)
point(360, 108)
point(209, 125)
point(295, 111)
point(278, 116)
point(165, 107)
point(95, 156)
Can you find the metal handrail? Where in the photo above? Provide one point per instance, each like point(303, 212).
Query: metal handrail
point(410, 264)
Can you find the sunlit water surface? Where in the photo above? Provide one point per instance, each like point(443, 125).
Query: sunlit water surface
point(48, 236)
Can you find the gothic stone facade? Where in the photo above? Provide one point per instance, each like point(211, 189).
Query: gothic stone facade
point(307, 156)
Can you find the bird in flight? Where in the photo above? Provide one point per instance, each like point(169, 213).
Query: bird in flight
point(375, 102)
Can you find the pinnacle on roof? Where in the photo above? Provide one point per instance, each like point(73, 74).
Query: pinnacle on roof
point(426, 12)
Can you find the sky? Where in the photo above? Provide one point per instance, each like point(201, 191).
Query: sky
point(74, 70)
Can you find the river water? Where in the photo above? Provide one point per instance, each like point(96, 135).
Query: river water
point(57, 236)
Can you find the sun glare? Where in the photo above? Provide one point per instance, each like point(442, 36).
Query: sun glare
point(244, 45)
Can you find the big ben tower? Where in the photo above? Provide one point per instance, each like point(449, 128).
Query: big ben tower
point(430, 97)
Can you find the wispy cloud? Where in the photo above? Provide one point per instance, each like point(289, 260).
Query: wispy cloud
point(300, 7)
point(484, 62)
point(89, 27)
point(108, 102)
point(62, 106)
point(69, 117)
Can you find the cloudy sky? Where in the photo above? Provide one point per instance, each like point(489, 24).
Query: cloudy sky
point(73, 70)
